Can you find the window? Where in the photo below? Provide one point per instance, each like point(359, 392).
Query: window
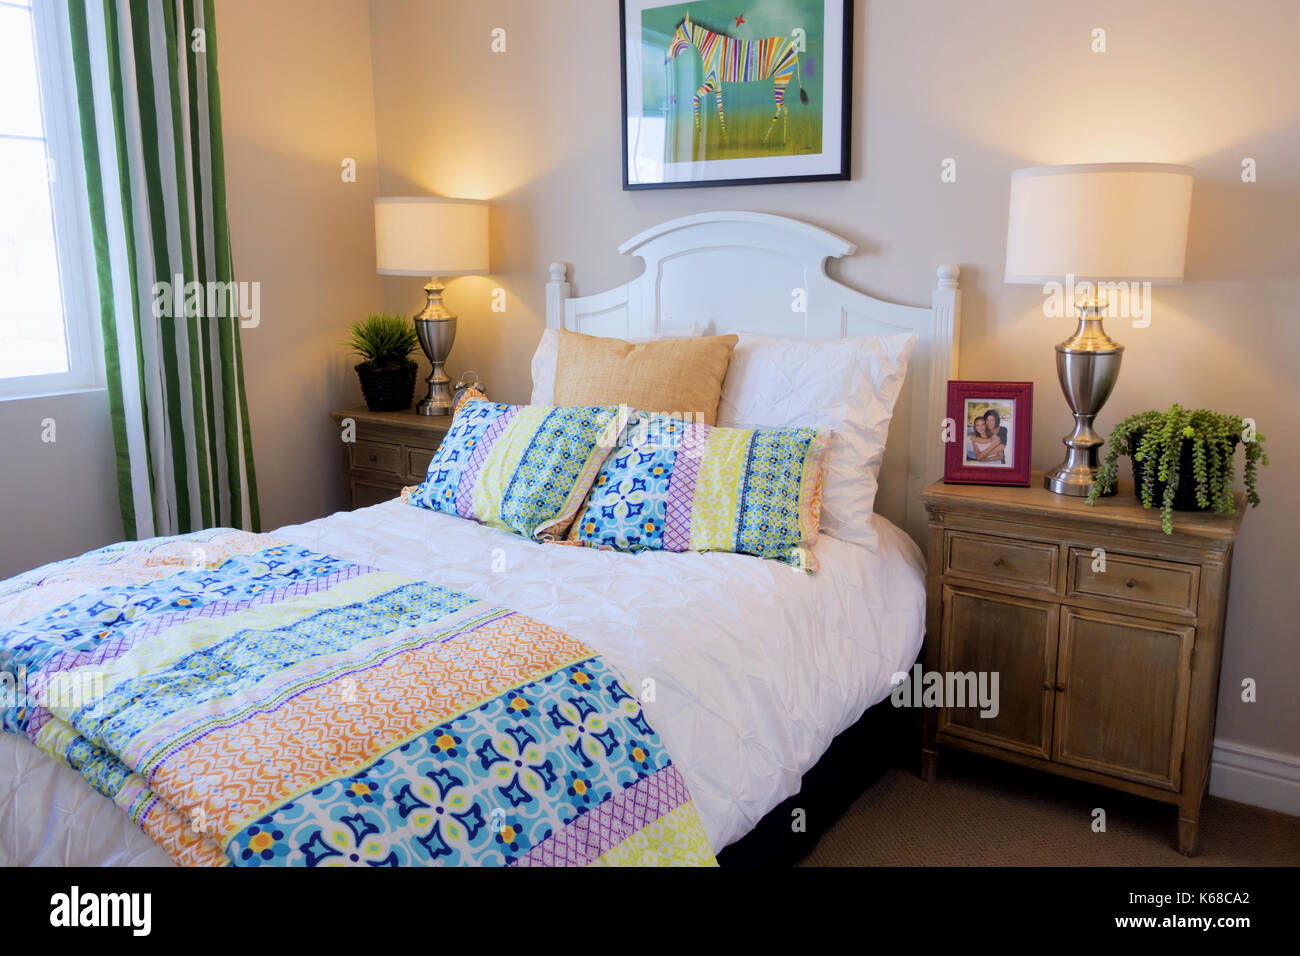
point(48, 317)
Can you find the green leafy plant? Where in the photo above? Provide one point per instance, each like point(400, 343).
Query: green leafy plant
point(384, 341)
point(1156, 440)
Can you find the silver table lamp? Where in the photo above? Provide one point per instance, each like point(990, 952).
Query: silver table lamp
point(1089, 227)
point(426, 236)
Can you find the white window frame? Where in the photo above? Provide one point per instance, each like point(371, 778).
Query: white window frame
point(74, 249)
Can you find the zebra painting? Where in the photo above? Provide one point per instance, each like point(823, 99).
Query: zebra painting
point(731, 60)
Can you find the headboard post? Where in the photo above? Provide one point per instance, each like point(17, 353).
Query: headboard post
point(945, 308)
point(557, 291)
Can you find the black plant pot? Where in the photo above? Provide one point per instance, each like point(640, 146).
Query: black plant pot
point(1185, 496)
point(388, 388)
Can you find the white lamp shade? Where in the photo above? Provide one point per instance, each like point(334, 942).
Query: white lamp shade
point(426, 236)
point(1098, 222)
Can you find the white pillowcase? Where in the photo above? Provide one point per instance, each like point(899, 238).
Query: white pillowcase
point(847, 385)
point(548, 350)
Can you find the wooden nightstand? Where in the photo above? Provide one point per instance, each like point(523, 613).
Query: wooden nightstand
point(1109, 676)
point(390, 450)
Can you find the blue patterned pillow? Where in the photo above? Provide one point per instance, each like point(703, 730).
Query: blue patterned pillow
point(522, 468)
point(677, 485)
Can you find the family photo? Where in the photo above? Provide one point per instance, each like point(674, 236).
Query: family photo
point(989, 433)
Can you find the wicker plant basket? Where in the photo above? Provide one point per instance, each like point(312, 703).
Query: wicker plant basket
point(1185, 496)
point(389, 388)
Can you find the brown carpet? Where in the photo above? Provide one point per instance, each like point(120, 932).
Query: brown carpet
point(986, 813)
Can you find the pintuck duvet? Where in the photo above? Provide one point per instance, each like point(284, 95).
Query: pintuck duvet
point(247, 701)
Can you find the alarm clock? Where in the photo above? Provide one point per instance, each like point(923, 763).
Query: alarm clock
point(467, 388)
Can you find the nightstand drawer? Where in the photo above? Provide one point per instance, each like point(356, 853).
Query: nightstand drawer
point(392, 449)
point(1139, 581)
point(1025, 564)
point(376, 456)
point(417, 462)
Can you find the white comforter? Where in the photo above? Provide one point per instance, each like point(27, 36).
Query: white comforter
point(753, 666)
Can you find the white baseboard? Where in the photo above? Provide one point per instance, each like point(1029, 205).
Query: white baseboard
point(1261, 778)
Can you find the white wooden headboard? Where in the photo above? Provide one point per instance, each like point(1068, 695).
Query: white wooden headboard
point(744, 271)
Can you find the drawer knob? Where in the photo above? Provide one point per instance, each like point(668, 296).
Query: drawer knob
point(1130, 583)
point(374, 458)
point(998, 562)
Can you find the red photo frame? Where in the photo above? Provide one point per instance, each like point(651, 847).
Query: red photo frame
point(989, 432)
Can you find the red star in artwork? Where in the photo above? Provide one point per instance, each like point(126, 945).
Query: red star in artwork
point(740, 19)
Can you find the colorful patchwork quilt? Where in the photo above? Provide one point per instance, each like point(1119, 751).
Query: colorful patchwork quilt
point(249, 702)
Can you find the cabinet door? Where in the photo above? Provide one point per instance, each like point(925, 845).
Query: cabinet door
point(367, 493)
point(986, 633)
point(1122, 690)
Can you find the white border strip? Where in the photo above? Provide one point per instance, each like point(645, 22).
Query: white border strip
point(124, 307)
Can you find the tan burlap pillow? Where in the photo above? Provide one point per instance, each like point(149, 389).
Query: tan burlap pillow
point(676, 376)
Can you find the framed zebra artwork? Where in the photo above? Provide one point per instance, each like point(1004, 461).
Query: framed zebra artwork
point(735, 92)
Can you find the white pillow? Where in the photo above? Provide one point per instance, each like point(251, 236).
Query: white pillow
point(548, 350)
point(847, 385)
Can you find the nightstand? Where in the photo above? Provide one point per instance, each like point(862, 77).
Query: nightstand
point(389, 450)
point(1106, 635)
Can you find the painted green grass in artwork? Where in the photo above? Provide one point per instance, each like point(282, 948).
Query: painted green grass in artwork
point(749, 108)
point(798, 135)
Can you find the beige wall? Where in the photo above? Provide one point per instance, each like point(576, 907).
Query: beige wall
point(993, 85)
point(60, 497)
point(296, 101)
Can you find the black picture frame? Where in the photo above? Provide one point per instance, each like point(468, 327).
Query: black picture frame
point(846, 122)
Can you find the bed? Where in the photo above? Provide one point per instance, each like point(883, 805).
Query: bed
point(748, 669)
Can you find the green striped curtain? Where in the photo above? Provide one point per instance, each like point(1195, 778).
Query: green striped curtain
point(146, 73)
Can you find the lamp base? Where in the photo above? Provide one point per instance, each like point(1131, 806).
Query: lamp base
point(436, 329)
point(1087, 364)
point(1064, 480)
point(435, 405)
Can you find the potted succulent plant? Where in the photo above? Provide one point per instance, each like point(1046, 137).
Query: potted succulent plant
point(387, 374)
point(1183, 460)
